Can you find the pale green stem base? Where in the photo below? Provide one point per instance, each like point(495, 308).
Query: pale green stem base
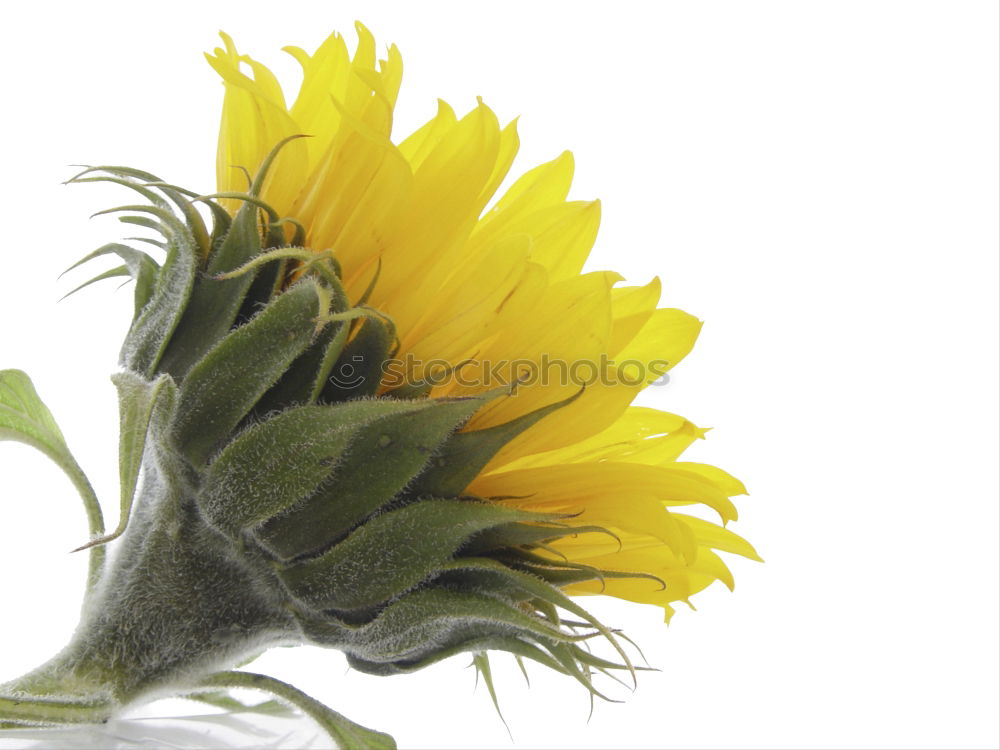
point(177, 603)
point(177, 606)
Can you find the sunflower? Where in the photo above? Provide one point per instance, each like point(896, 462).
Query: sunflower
point(464, 281)
point(369, 406)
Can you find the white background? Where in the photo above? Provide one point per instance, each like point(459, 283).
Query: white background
point(816, 180)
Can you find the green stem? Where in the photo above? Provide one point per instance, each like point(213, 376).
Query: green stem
point(345, 733)
point(95, 519)
point(32, 710)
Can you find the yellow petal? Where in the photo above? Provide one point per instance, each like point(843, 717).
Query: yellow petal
point(545, 185)
point(419, 145)
point(604, 487)
point(633, 306)
point(324, 75)
point(712, 535)
point(640, 434)
point(254, 120)
point(665, 340)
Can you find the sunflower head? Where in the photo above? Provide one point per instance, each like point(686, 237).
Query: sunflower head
point(396, 399)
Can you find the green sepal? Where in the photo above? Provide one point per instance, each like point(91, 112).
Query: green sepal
point(132, 172)
point(592, 660)
point(160, 244)
point(295, 387)
point(141, 267)
point(518, 534)
point(543, 567)
point(151, 331)
point(504, 578)
point(142, 221)
point(126, 177)
point(221, 220)
point(392, 553)
point(167, 222)
point(339, 332)
point(495, 642)
point(259, 287)
point(224, 386)
point(423, 387)
point(384, 456)
point(559, 572)
point(111, 273)
point(305, 377)
point(118, 177)
point(571, 665)
point(418, 623)
point(324, 265)
point(192, 218)
point(564, 574)
point(141, 403)
point(565, 658)
point(358, 370)
point(215, 303)
point(481, 661)
point(274, 464)
point(465, 455)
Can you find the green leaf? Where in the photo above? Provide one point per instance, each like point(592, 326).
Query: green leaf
point(26, 419)
point(392, 553)
point(229, 380)
point(139, 402)
point(384, 456)
point(23, 417)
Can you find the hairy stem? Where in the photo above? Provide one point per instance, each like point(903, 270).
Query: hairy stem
point(175, 603)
